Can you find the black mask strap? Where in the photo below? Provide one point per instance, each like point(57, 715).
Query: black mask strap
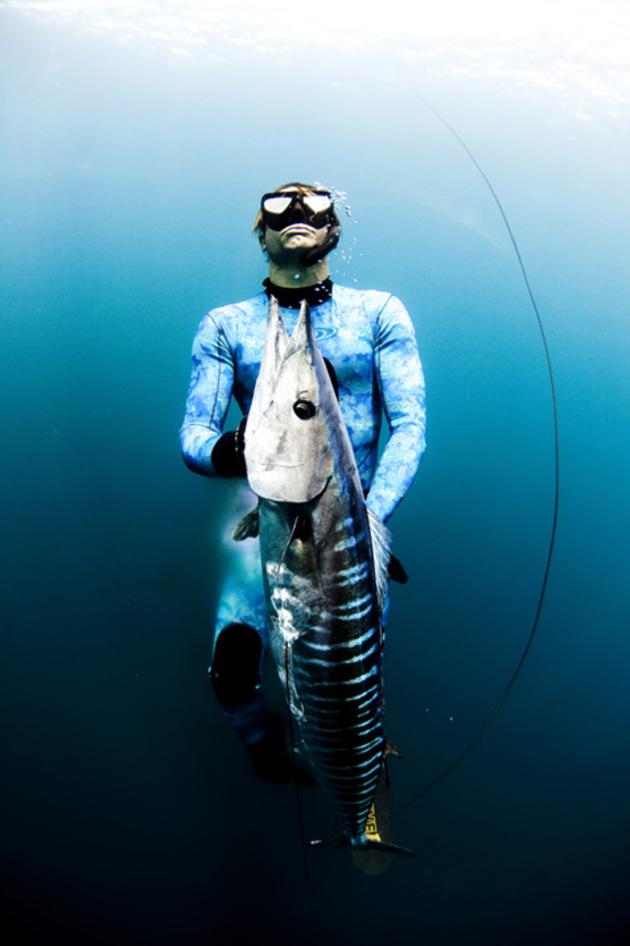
point(319, 252)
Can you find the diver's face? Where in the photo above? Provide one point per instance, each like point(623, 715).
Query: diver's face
point(295, 238)
point(285, 245)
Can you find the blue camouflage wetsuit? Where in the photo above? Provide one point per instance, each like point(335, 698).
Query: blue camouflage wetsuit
point(369, 339)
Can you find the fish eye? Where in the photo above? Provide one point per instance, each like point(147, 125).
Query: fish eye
point(304, 409)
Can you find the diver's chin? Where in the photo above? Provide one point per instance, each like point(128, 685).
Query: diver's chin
point(289, 255)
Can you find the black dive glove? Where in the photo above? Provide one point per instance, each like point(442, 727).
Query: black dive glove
point(228, 453)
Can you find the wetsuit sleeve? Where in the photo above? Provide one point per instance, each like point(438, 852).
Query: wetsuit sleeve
point(401, 384)
point(209, 394)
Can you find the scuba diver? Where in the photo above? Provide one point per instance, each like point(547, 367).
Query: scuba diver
point(369, 346)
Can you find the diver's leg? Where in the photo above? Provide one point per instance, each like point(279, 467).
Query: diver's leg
point(240, 643)
point(235, 678)
point(235, 675)
point(239, 653)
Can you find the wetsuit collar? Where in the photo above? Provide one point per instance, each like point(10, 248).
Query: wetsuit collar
point(291, 298)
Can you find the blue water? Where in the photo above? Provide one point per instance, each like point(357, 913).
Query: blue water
point(129, 183)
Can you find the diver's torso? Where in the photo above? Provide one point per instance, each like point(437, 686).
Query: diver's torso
point(345, 326)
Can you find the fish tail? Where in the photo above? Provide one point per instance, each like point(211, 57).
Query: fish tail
point(365, 844)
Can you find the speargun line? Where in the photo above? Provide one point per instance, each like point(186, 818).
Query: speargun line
point(496, 709)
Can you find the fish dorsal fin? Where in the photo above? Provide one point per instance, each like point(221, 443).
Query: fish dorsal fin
point(247, 527)
point(381, 544)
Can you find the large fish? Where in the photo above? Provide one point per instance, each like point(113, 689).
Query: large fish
point(324, 560)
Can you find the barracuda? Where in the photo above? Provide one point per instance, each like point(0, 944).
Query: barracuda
point(324, 561)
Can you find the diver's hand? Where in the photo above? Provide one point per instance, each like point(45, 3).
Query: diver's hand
point(228, 454)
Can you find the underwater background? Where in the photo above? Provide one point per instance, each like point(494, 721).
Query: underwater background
point(136, 141)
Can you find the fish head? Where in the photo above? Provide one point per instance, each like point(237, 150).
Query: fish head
point(288, 451)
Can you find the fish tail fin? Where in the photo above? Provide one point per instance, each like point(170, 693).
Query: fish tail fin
point(365, 844)
point(373, 849)
point(387, 848)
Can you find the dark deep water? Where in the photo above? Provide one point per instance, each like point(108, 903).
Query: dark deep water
point(129, 182)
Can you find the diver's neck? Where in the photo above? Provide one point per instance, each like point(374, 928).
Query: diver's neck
point(295, 276)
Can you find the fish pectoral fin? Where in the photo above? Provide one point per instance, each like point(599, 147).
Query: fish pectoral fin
point(381, 544)
point(247, 527)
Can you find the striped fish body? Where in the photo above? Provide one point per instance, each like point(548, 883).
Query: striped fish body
point(322, 583)
point(326, 640)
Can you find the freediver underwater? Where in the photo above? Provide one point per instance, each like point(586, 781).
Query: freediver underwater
point(310, 420)
point(236, 642)
point(132, 185)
